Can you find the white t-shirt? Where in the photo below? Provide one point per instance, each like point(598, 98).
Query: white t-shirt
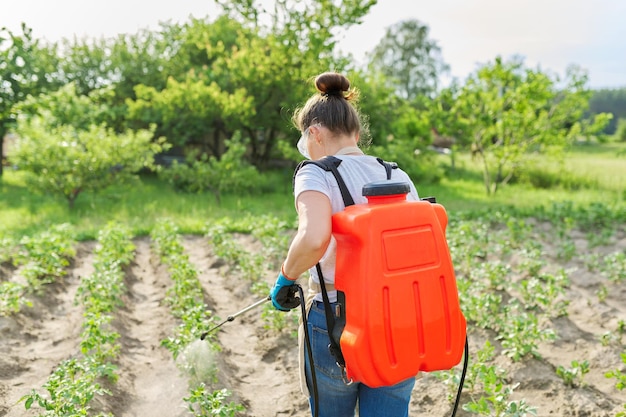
point(356, 171)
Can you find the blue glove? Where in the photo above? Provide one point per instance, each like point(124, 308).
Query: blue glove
point(283, 294)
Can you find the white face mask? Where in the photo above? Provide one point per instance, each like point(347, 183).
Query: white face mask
point(302, 148)
point(302, 144)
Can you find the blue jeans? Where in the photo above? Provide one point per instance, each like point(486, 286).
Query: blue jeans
point(337, 399)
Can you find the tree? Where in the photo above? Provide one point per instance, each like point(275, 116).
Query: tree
point(411, 60)
point(378, 103)
point(117, 65)
point(609, 101)
point(70, 158)
point(192, 112)
point(509, 112)
point(26, 68)
point(285, 47)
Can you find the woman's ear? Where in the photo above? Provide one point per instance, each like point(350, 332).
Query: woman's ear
point(315, 133)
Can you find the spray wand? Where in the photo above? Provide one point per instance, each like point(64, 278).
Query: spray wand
point(232, 316)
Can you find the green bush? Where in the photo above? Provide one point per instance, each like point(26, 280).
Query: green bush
point(422, 165)
point(229, 174)
point(67, 161)
point(620, 132)
point(546, 179)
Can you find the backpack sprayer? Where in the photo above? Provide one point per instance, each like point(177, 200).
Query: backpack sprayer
point(396, 288)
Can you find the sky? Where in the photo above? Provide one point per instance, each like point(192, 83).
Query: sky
point(548, 34)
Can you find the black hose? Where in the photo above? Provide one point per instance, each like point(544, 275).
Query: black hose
point(465, 362)
point(307, 341)
point(309, 352)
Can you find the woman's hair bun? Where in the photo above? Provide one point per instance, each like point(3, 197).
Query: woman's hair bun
point(332, 84)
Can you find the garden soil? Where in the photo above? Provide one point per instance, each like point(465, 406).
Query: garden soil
point(260, 366)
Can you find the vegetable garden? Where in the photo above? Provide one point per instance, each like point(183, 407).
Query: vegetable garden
point(112, 326)
point(106, 319)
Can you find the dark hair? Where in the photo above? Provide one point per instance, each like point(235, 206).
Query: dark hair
point(333, 106)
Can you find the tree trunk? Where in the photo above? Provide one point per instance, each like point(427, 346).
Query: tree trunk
point(71, 199)
point(3, 132)
point(486, 175)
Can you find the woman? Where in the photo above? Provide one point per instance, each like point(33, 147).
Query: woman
point(331, 125)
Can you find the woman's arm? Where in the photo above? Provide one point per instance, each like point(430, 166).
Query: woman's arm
point(313, 236)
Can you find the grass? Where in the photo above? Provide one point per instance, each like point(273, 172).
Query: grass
point(140, 205)
point(600, 165)
point(606, 163)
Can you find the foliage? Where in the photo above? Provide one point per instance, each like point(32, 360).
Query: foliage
point(510, 112)
point(609, 100)
point(185, 297)
point(12, 298)
point(619, 375)
point(379, 105)
point(281, 48)
point(620, 131)
point(75, 382)
point(228, 174)
point(411, 61)
point(422, 165)
point(26, 68)
point(193, 112)
point(408, 143)
point(7, 249)
point(43, 258)
point(46, 255)
point(108, 69)
point(611, 265)
point(71, 387)
point(65, 107)
point(490, 381)
point(203, 403)
point(68, 160)
point(573, 376)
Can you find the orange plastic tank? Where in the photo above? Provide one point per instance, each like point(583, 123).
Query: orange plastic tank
point(401, 300)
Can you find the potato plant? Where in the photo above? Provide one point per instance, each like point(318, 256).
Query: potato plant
point(12, 298)
point(505, 287)
point(573, 376)
point(45, 256)
point(43, 259)
point(619, 374)
point(76, 381)
point(7, 249)
point(185, 298)
point(204, 403)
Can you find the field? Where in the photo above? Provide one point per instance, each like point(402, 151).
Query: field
point(543, 291)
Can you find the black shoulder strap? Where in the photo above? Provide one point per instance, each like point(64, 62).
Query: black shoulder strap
point(334, 329)
point(388, 166)
point(330, 163)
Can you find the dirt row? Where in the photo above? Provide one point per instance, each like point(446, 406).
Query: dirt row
point(259, 366)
